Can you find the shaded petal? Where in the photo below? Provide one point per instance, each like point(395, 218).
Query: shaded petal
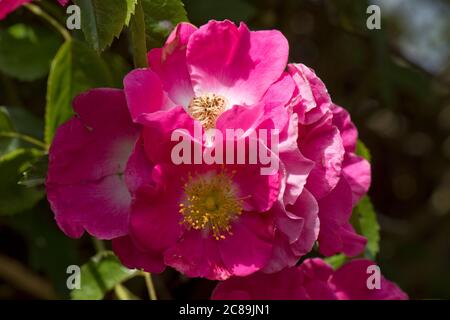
point(336, 234)
point(357, 172)
point(322, 143)
point(306, 207)
point(258, 191)
point(297, 230)
point(312, 101)
point(350, 283)
point(197, 255)
point(134, 258)
point(139, 170)
point(316, 279)
point(285, 285)
point(155, 219)
point(312, 280)
point(100, 207)
point(249, 248)
point(349, 133)
point(296, 166)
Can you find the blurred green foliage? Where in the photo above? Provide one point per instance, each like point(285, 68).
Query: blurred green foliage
point(395, 82)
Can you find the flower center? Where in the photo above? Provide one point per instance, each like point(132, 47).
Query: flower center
point(207, 108)
point(210, 204)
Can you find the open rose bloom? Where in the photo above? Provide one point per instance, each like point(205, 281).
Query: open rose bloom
point(112, 171)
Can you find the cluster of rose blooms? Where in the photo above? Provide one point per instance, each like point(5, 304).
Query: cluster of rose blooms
point(111, 172)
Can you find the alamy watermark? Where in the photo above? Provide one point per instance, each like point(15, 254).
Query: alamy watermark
point(73, 21)
point(374, 20)
point(74, 279)
point(237, 147)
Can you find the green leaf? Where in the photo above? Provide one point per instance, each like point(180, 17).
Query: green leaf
point(161, 16)
point(100, 275)
point(7, 143)
point(34, 176)
point(336, 261)
point(131, 5)
point(26, 123)
point(76, 68)
point(363, 151)
point(26, 51)
point(118, 66)
point(101, 20)
point(364, 220)
point(14, 197)
point(15, 121)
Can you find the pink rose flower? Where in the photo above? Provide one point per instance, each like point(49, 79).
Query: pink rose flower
point(112, 174)
point(312, 280)
point(8, 6)
point(244, 71)
point(327, 136)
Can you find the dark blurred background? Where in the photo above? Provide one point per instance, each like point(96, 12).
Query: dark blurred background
point(396, 84)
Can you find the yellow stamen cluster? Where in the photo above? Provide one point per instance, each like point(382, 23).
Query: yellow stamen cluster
point(207, 108)
point(210, 204)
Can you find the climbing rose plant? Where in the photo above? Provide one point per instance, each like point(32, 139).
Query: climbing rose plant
point(111, 170)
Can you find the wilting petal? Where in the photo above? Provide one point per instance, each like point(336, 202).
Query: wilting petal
point(336, 234)
point(322, 143)
point(312, 101)
point(349, 133)
point(296, 166)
